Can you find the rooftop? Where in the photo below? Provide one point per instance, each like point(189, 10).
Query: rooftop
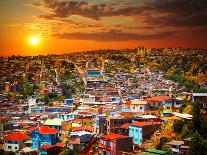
point(174, 142)
point(125, 126)
point(46, 146)
point(54, 121)
point(113, 136)
point(199, 94)
point(44, 130)
point(17, 136)
point(158, 98)
point(141, 124)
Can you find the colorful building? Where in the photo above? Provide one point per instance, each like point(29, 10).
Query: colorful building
point(113, 144)
point(43, 135)
point(139, 131)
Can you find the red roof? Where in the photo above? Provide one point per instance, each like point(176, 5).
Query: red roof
point(141, 124)
point(158, 98)
point(60, 144)
point(46, 146)
point(85, 128)
point(44, 130)
point(125, 126)
point(17, 136)
point(112, 136)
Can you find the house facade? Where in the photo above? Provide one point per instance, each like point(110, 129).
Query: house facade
point(139, 131)
point(15, 141)
point(43, 135)
point(113, 144)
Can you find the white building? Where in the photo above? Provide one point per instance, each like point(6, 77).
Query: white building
point(15, 141)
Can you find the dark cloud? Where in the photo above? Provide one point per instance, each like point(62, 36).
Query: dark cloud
point(174, 12)
point(64, 9)
point(113, 35)
point(179, 13)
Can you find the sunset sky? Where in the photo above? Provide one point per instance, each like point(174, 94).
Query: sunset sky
point(60, 26)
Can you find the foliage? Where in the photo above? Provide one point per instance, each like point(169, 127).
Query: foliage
point(196, 115)
point(178, 125)
point(198, 145)
point(166, 148)
point(28, 89)
point(46, 99)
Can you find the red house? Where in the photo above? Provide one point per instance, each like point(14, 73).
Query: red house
point(114, 144)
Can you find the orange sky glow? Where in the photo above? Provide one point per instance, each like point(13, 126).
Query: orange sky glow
point(63, 26)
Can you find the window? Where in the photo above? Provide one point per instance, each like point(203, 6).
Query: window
point(136, 130)
point(9, 141)
point(15, 142)
point(114, 122)
point(9, 147)
point(16, 148)
point(140, 107)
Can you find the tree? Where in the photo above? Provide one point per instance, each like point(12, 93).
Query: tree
point(197, 145)
point(196, 115)
point(166, 148)
point(188, 84)
point(177, 126)
point(28, 89)
point(46, 99)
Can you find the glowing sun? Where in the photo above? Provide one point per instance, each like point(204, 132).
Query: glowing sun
point(34, 40)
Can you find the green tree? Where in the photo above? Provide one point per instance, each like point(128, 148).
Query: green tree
point(46, 99)
point(196, 115)
point(178, 125)
point(197, 145)
point(188, 84)
point(28, 89)
point(166, 148)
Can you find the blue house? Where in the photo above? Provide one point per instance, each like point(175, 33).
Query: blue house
point(43, 135)
point(139, 131)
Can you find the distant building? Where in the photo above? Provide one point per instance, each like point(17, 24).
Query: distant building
point(93, 72)
point(202, 97)
point(68, 101)
point(100, 125)
point(58, 109)
point(157, 102)
point(175, 146)
point(114, 123)
point(137, 105)
point(36, 109)
point(54, 123)
point(124, 129)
